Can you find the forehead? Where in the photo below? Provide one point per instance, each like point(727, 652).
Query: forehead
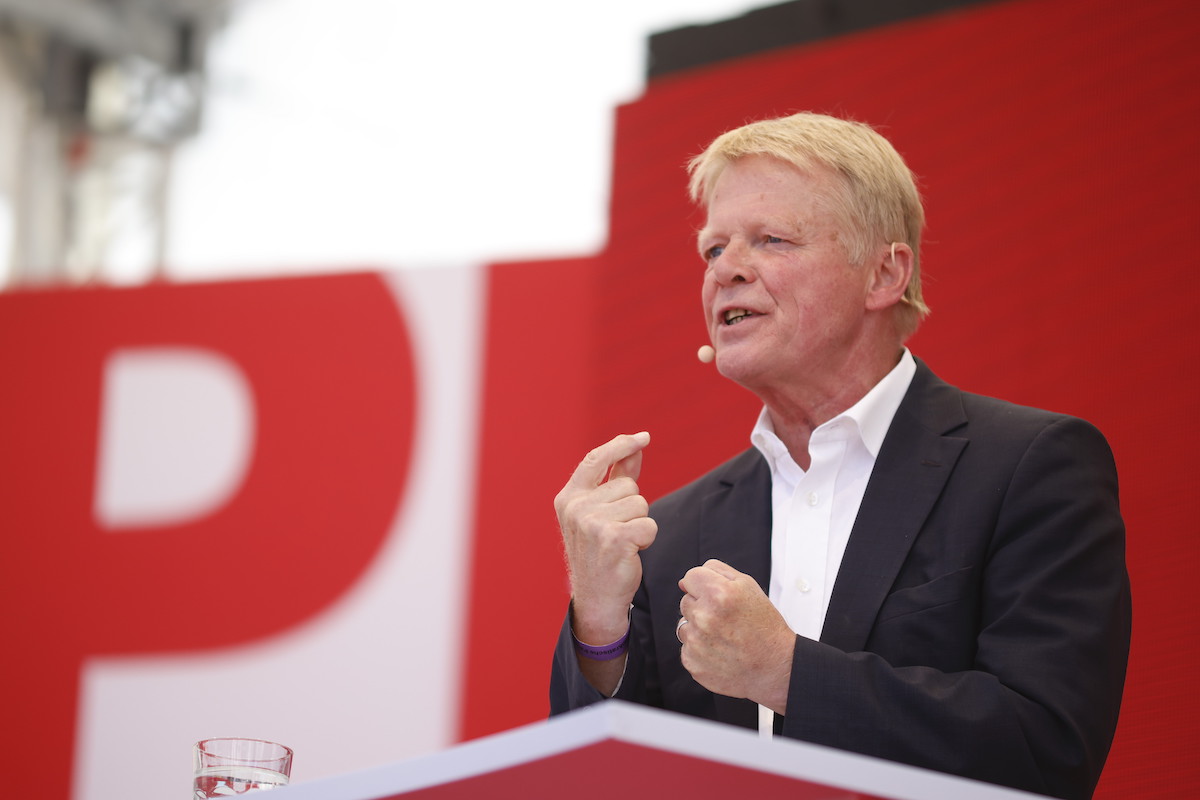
point(760, 186)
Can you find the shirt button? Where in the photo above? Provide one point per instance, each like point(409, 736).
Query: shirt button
point(813, 499)
point(803, 585)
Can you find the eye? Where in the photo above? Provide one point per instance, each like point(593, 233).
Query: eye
point(713, 252)
point(772, 240)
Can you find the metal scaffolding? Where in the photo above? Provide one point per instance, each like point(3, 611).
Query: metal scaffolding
point(95, 95)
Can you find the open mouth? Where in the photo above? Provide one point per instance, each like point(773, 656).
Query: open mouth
point(735, 315)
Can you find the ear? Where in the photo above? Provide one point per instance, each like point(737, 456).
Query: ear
point(891, 269)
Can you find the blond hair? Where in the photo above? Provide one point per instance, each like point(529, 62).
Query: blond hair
point(878, 202)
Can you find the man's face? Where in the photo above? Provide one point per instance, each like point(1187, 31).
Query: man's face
point(783, 304)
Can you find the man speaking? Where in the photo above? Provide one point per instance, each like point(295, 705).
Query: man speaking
point(894, 567)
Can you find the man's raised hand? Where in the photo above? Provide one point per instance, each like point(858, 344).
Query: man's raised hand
point(604, 523)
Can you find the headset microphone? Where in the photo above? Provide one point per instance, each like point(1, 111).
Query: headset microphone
point(706, 354)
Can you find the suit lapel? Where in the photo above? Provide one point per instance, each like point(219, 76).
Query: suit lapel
point(914, 463)
point(741, 506)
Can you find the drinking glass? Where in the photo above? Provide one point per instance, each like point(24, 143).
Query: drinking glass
point(229, 766)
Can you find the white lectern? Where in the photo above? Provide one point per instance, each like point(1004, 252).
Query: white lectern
point(619, 751)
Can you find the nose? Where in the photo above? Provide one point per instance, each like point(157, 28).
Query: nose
point(735, 264)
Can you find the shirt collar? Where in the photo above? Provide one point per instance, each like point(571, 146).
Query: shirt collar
point(771, 446)
point(872, 414)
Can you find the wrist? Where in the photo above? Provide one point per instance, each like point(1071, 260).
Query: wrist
point(604, 652)
point(595, 624)
point(616, 637)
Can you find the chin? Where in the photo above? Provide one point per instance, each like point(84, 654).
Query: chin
point(736, 369)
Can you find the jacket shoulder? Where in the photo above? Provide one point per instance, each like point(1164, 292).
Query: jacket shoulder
point(745, 464)
point(946, 409)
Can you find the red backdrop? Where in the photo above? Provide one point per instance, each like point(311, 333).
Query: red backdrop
point(74, 590)
point(1057, 150)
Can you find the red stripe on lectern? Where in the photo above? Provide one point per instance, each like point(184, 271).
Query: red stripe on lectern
point(629, 770)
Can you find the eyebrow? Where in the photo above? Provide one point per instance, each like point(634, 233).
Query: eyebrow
point(794, 226)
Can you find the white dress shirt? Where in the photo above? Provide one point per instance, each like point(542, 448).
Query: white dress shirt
point(813, 510)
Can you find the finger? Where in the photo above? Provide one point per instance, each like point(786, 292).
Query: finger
point(630, 507)
point(642, 532)
point(624, 509)
point(628, 467)
point(599, 514)
point(687, 606)
point(595, 466)
point(722, 569)
point(613, 491)
point(698, 579)
point(609, 539)
point(687, 582)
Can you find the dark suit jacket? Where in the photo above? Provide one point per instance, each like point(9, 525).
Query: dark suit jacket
point(979, 624)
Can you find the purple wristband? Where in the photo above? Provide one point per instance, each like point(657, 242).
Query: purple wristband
point(605, 652)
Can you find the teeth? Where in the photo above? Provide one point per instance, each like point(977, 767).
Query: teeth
point(735, 315)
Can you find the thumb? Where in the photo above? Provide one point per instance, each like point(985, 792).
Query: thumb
point(628, 467)
point(722, 569)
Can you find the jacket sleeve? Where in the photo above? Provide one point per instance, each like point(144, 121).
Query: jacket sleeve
point(570, 690)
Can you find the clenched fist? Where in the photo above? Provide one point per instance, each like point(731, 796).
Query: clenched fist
point(735, 642)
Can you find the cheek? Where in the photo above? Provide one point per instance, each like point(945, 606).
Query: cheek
point(708, 290)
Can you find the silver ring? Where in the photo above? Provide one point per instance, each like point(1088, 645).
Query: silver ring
point(678, 625)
